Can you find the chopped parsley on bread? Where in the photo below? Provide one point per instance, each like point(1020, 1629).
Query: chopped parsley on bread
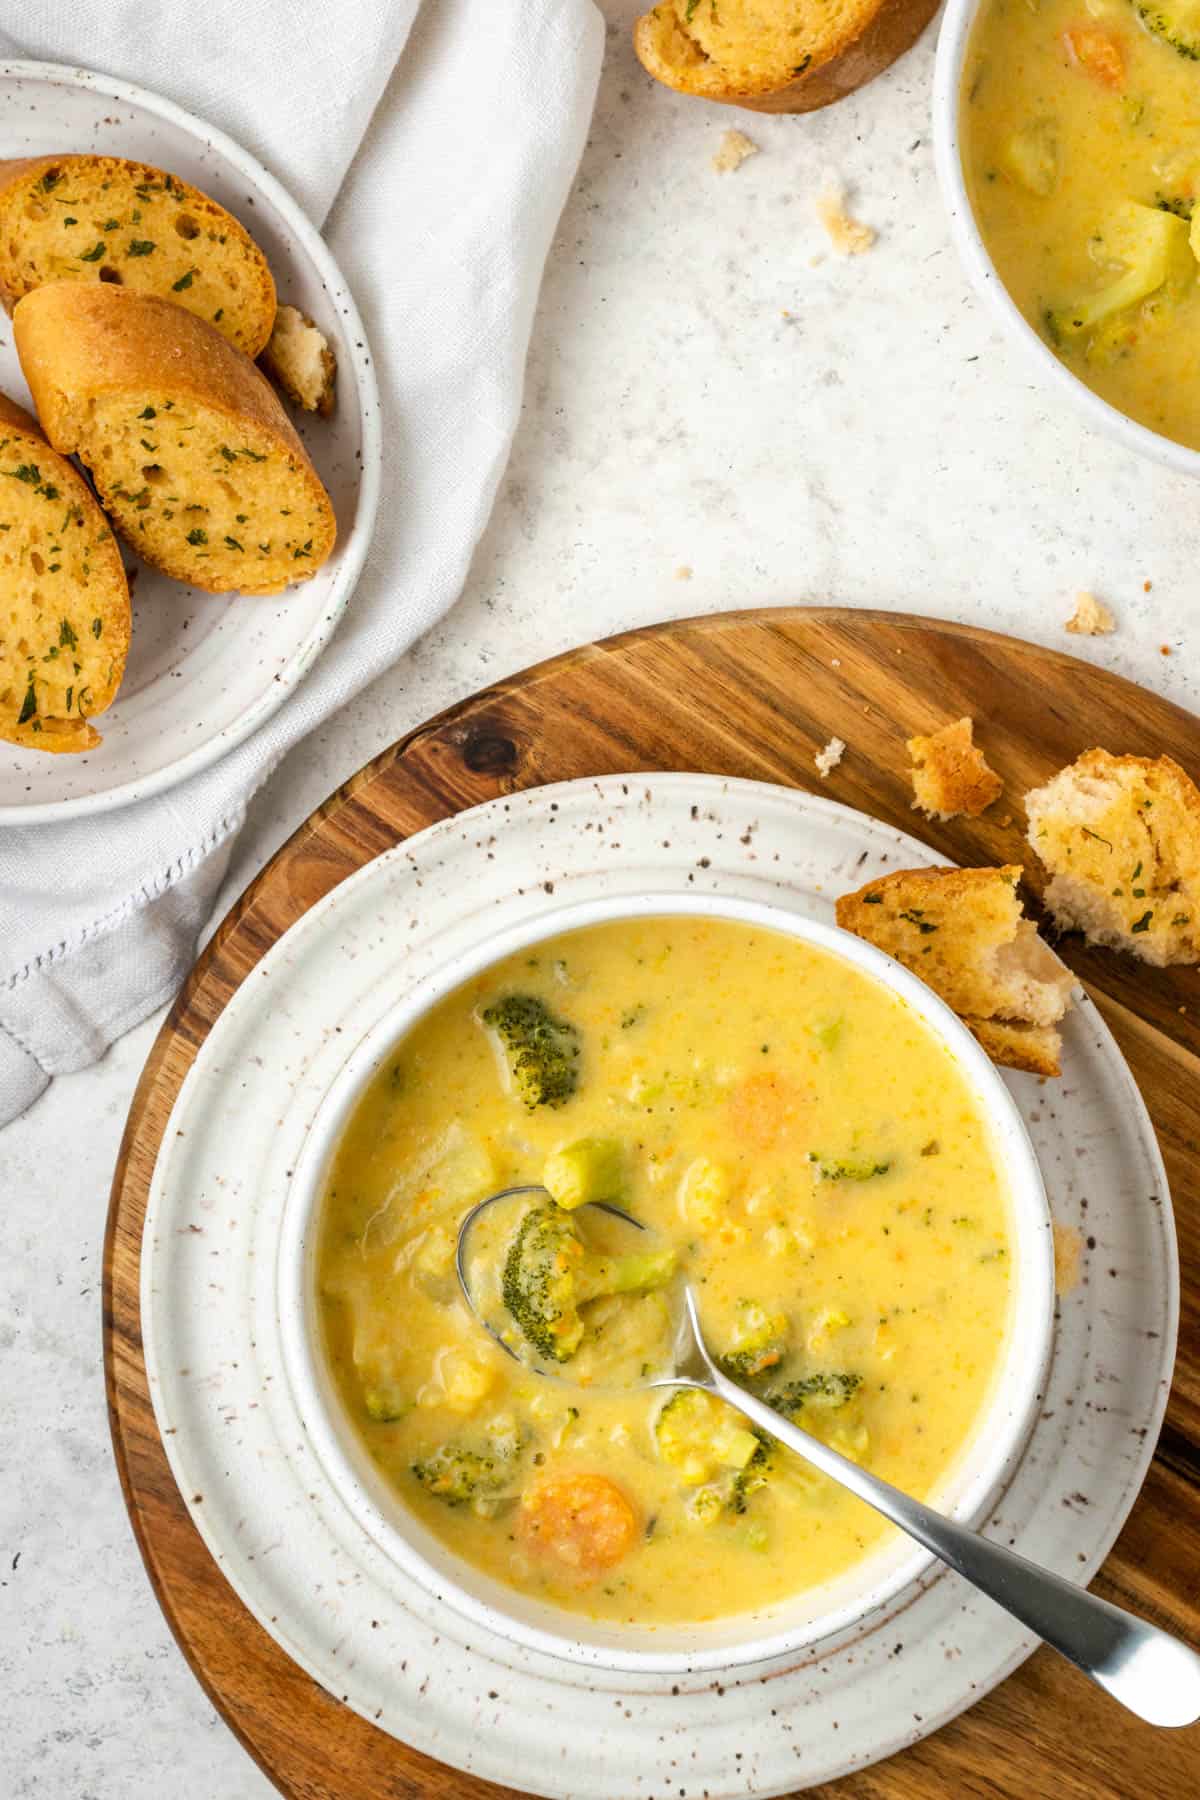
point(191, 451)
point(64, 622)
point(776, 55)
point(964, 933)
point(949, 775)
point(1119, 837)
point(100, 219)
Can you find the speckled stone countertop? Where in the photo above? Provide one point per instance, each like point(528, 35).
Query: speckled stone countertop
point(710, 390)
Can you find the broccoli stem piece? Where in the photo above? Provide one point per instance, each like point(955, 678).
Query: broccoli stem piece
point(540, 1049)
point(1177, 23)
point(592, 1168)
point(1153, 245)
point(848, 1168)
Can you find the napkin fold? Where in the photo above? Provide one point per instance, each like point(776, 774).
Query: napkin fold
point(444, 136)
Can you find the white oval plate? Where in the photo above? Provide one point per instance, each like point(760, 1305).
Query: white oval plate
point(204, 670)
point(309, 1572)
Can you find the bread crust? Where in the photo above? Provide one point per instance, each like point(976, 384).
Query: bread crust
point(78, 343)
point(16, 171)
point(52, 733)
point(840, 68)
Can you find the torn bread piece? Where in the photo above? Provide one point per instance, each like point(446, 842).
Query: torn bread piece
point(732, 151)
point(299, 360)
point(1120, 840)
point(950, 776)
point(1091, 617)
point(964, 933)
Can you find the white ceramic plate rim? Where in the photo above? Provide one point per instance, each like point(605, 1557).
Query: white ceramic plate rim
point(480, 1757)
point(352, 549)
point(997, 1438)
point(952, 45)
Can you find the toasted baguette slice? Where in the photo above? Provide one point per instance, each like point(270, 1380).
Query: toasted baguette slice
point(64, 617)
point(776, 55)
point(194, 457)
point(962, 931)
point(1120, 840)
point(950, 776)
point(99, 218)
point(299, 360)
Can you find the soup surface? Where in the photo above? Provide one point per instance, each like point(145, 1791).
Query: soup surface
point(1080, 132)
point(804, 1148)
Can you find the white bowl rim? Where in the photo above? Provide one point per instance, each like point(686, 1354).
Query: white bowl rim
point(952, 45)
point(1031, 1329)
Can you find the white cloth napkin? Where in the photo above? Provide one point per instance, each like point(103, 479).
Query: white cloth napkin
point(464, 121)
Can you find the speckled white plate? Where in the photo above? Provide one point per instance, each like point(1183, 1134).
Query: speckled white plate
point(204, 670)
point(326, 1591)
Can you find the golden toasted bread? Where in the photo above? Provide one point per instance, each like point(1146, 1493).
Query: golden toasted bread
point(194, 457)
point(950, 776)
point(1120, 840)
point(102, 219)
point(963, 932)
point(65, 625)
point(776, 55)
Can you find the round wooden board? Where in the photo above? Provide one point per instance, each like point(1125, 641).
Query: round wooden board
point(757, 695)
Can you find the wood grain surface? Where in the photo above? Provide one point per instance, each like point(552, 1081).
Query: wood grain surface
point(749, 694)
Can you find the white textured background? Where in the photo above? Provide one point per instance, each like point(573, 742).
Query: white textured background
point(707, 387)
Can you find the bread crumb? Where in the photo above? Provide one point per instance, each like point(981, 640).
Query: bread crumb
point(1146, 586)
point(1068, 1247)
point(1164, 649)
point(684, 572)
point(848, 236)
point(949, 775)
point(829, 758)
point(1091, 617)
point(732, 151)
point(835, 662)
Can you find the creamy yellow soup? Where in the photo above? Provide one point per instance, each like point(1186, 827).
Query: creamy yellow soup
point(1080, 131)
point(804, 1149)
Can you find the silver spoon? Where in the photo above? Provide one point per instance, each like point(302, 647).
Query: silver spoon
point(1153, 1674)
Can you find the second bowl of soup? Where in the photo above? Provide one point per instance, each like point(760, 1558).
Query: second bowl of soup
point(1068, 145)
point(814, 1142)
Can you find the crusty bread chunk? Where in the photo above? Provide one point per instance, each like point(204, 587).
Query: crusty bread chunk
point(193, 455)
point(299, 359)
point(101, 219)
point(950, 776)
point(64, 600)
point(963, 932)
point(1120, 840)
point(776, 55)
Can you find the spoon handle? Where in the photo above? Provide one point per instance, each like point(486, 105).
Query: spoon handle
point(1151, 1673)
